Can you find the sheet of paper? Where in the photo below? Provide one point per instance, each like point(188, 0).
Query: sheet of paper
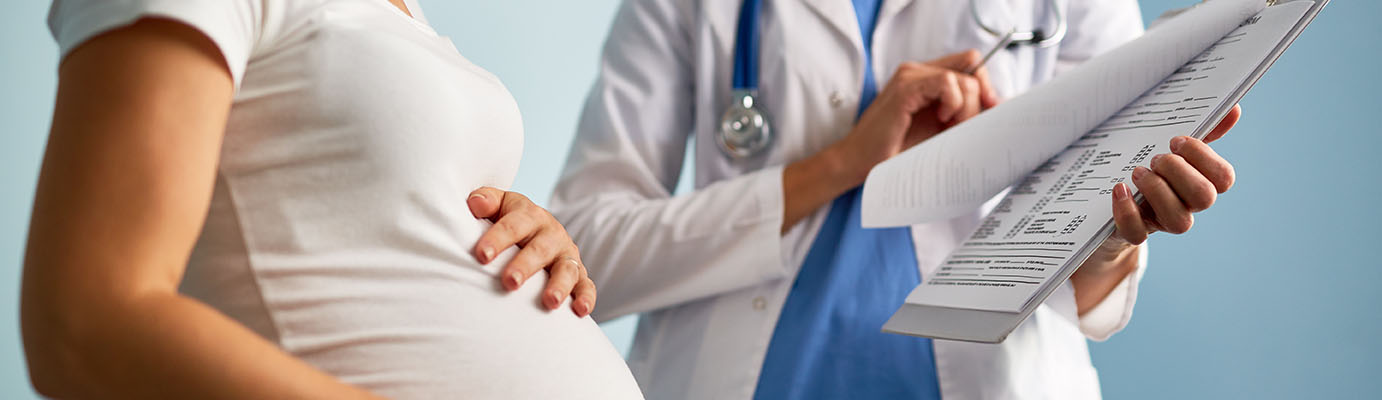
point(956, 171)
point(1062, 206)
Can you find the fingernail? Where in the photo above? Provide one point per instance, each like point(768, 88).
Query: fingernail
point(1156, 158)
point(512, 280)
point(1120, 192)
point(1139, 172)
point(552, 301)
point(1177, 141)
point(488, 253)
point(582, 308)
point(476, 195)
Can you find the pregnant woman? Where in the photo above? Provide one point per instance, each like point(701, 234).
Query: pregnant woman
point(291, 199)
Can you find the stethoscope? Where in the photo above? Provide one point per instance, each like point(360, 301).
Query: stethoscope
point(1036, 37)
point(745, 129)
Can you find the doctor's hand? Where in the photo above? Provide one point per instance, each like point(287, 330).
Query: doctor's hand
point(1179, 184)
point(919, 101)
point(543, 244)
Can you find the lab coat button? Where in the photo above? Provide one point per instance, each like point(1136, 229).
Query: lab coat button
point(835, 99)
point(759, 303)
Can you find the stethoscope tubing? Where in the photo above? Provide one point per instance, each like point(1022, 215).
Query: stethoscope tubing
point(1036, 37)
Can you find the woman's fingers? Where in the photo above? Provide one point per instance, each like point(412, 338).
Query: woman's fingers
point(1196, 192)
point(584, 295)
point(1207, 162)
point(1170, 212)
point(543, 244)
point(512, 228)
point(535, 255)
point(484, 202)
point(1127, 217)
point(1226, 124)
point(565, 274)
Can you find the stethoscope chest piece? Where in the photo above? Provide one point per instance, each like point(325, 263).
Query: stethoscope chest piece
point(744, 128)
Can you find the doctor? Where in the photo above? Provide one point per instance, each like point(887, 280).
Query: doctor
point(760, 283)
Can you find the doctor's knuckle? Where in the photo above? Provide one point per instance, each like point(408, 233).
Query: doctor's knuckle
point(905, 69)
point(1178, 224)
point(971, 56)
point(1201, 198)
point(946, 80)
point(1169, 161)
point(969, 83)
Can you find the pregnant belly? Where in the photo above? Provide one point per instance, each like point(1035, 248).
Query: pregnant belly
point(445, 331)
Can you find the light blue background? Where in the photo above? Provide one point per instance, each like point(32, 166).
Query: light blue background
point(1274, 294)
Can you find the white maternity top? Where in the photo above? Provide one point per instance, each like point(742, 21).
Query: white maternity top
point(338, 227)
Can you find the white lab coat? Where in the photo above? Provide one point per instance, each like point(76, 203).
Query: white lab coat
point(709, 270)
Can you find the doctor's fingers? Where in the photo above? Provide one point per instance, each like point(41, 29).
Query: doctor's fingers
point(1226, 124)
point(920, 86)
point(1209, 164)
point(964, 61)
point(988, 95)
point(1195, 191)
point(1170, 213)
point(1126, 216)
point(969, 86)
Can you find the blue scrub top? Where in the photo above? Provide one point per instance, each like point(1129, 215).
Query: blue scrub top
point(828, 343)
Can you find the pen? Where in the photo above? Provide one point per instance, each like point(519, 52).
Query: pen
point(1002, 43)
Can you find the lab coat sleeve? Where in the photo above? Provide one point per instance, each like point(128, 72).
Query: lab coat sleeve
point(644, 248)
point(1113, 314)
point(1097, 26)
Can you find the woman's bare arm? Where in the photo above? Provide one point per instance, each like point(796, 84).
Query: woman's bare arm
point(125, 186)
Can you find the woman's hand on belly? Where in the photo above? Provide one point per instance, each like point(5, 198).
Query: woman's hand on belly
point(543, 244)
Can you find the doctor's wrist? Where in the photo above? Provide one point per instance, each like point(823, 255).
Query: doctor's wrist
point(812, 182)
point(842, 167)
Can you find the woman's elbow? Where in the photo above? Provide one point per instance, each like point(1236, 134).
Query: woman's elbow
point(48, 351)
point(58, 336)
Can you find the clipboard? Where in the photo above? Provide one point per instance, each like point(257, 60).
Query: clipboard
point(983, 326)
